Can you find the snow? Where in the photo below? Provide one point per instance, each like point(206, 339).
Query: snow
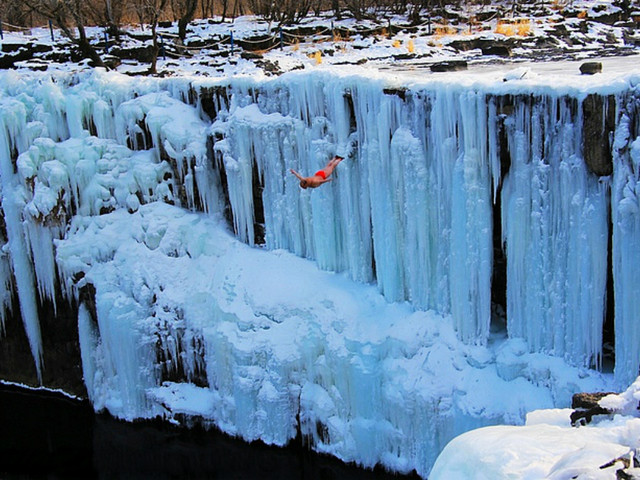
point(551, 449)
point(364, 322)
point(280, 339)
point(547, 446)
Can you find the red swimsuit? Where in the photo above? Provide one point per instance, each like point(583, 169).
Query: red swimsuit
point(320, 173)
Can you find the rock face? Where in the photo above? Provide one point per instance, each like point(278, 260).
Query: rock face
point(598, 125)
point(61, 350)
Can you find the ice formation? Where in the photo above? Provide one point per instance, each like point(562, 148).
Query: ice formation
point(114, 193)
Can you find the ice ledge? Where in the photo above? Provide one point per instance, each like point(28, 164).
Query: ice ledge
point(264, 345)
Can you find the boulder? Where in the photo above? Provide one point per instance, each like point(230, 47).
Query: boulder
point(586, 407)
point(589, 68)
point(449, 66)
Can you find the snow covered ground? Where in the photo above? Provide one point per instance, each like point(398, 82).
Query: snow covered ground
point(536, 32)
point(190, 323)
point(547, 446)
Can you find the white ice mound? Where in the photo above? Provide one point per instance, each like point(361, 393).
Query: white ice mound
point(191, 323)
point(546, 447)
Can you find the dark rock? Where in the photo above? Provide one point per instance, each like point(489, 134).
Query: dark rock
point(621, 474)
point(625, 460)
point(400, 92)
point(11, 47)
point(269, 67)
point(598, 123)
point(560, 30)
point(588, 400)
point(213, 99)
point(404, 56)
point(258, 43)
point(141, 54)
point(9, 61)
point(449, 66)
point(14, 53)
point(32, 48)
point(583, 417)
point(546, 42)
point(35, 64)
point(497, 50)
point(586, 407)
point(111, 61)
point(589, 68)
point(251, 55)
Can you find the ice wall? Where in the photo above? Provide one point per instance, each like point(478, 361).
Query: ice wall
point(412, 207)
point(98, 173)
point(555, 227)
point(625, 200)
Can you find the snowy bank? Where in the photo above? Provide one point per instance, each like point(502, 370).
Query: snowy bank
point(547, 446)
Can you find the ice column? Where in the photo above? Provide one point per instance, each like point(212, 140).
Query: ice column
point(430, 194)
point(471, 221)
point(13, 117)
point(625, 209)
point(555, 227)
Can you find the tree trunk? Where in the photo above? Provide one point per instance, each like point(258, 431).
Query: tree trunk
point(86, 48)
point(224, 9)
point(81, 41)
point(155, 48)
point(186, 18)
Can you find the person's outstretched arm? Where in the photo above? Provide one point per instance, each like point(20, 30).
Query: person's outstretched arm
point(300, 177)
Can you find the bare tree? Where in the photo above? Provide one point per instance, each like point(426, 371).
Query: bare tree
point(150, 11)
point(109, 13)
point(68, 14)
point(282, 11)
point(359, 8)
point(186, 10)
point(14, 12)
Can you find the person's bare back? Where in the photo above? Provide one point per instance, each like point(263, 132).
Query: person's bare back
point(320, 177)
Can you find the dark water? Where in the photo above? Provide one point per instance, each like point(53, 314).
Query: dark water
point(48, 436)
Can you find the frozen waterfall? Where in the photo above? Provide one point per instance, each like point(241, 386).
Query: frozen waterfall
point(359, 314)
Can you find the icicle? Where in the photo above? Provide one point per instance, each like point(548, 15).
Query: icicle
point(471, 224)
point(555, 229)
point(625, 209)
point(6, 283)
point(12, 121)
point(40, 241)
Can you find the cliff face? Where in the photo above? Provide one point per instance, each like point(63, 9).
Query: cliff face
point(481, 204)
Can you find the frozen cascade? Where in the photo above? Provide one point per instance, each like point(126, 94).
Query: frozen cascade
point(186, 321)
point(555, 226)
point(412, 208)
point(12, 138)
point(56, 176)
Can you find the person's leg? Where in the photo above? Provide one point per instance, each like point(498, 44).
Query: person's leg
point(333, 163)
